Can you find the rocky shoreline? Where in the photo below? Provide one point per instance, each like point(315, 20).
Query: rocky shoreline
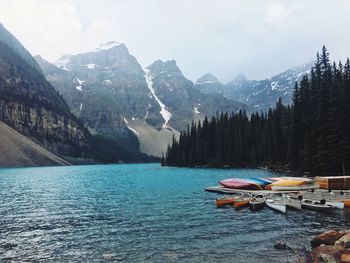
point(331, 246)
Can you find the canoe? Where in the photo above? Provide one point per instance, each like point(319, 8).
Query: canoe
point(330, 198)
point(228, 200)
point(257, 202)
point(276, 204)
point(294, 188)
point(259, 181)
point(241, 202)
point(275, 179)
point(346, 203)
point(237, 183)
point(304, 179)
point(292, 203)
point(336, 204)
point(225, 201)
point(284, 183)
point(316, 206)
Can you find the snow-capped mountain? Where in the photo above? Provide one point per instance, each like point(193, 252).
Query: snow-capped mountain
point(209, 84)
point(259, 95)
point(108, 90)
point(181, 97)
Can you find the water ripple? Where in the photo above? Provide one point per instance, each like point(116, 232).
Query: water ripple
point(140, 213)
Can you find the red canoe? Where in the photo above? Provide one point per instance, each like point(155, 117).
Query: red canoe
point(237, 183)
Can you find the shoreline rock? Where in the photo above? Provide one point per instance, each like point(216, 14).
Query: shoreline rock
point(331, 246)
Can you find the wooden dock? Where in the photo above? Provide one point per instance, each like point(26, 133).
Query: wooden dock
point(224, 190)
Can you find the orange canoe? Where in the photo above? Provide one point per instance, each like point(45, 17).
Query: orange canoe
point(241, 202)
point(346, 203)
point(224, 201)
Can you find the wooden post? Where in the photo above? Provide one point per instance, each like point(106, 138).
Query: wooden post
point(344, 172)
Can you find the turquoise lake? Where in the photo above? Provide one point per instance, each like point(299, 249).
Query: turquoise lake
point(141, 213)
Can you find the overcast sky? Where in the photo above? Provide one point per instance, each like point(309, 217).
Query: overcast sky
point(225, 37)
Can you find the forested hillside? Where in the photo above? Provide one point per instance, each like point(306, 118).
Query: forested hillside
point(312, 135)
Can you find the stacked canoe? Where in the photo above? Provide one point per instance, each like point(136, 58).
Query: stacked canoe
point(276, 184)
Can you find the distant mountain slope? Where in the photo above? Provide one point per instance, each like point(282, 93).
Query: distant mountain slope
point(259, 95)
point(209, 84)
point(7, 38)
point(107, 90)
point(182, 99)
point(110, 92)
point(104, 87)
point(18, 150)
point(30, 105)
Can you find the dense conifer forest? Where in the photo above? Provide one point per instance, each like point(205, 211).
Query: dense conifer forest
point(312, 135)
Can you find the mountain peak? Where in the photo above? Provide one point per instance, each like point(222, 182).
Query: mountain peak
point(206, 79)
point(108, 45)
point(10, 40)
point(160, 66)
point(240, 78)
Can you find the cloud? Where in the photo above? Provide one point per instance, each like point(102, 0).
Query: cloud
point(225, 37)
point(276, 12)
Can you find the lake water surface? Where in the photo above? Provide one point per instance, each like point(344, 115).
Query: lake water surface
point(141, 213)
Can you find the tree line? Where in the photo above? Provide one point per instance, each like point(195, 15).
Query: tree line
point(311, 135)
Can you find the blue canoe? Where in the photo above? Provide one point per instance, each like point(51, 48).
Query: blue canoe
point(260, 181)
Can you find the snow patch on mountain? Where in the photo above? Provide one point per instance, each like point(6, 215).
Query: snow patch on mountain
point(274, 85)
point(80, 81)
point(134, 131)
point(78, 88)
point(164, 112)
point(206, 82)
point(107, 82)
point(90, 66)
point(108, 45)
point(64, 67)
point(258, 92)
point(195, 109)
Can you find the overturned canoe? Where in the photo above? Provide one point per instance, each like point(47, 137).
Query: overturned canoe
point(292, 185)
point(236, 183)
point(259, 181)
point(294, 188)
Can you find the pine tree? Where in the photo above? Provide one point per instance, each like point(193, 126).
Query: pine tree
point(311, 135)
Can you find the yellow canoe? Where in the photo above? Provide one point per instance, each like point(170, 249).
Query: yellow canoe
point(286, 182)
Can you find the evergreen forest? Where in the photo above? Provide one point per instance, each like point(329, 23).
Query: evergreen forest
point(310, 136)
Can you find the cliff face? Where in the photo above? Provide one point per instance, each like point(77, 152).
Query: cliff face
point(30, 105)
point(104, 88)
point(109, 91)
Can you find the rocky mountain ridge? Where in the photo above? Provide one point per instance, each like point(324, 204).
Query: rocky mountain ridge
point(30, 105)
point(110, 92)
point(259, 95)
